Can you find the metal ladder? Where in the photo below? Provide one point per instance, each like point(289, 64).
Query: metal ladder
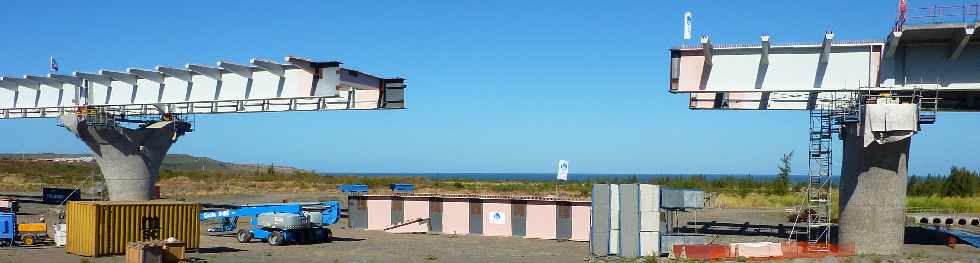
point(816, 208)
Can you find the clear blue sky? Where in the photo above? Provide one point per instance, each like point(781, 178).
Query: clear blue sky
point(494, 86)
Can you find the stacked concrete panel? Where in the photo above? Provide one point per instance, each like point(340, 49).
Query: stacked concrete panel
point(614, 221)
point(682, 198)
point(650, 221)
point(626, 220)
point(601, 220)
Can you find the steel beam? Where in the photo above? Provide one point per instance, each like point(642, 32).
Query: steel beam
point(828, 39)
point(210, 72)
point(765, 50)
point(706, 48)
point(154, 76)
point(960, 44)
point(893, 42)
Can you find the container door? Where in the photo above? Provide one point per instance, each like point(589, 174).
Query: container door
point(397, 210)
point(476, 216)
point(519, 222)
point(564, 224)
point(357, 207)
point(435, 214)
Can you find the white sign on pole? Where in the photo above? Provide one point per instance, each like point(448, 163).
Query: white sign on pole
point(562, 170)
point(687, 25)
point(497, 218)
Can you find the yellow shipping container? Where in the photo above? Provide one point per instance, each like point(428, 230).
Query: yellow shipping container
point(99, 228)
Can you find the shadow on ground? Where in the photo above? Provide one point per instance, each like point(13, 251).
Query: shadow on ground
point(217, 250)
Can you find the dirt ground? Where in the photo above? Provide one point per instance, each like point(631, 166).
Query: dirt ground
point(721, 225)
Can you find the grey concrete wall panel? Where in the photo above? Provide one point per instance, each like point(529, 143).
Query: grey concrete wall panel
point(599, 239)
point(649, 207)
point(357, 207)
point(649, 243)
point(667, 242)
point(476, 216)
point(681, 198)
point(519, 215)
point(435, 214)
point(614, 226)
point(872, 195)
point(397, 210)
point(564, 224)
point(629, 220)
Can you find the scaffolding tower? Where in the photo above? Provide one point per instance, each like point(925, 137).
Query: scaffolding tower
point(816, 208)
point(827, 119)
point(815, 211)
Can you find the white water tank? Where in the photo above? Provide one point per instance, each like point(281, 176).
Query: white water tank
point(60, 234)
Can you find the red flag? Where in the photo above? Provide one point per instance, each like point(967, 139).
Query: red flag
point(902, 7)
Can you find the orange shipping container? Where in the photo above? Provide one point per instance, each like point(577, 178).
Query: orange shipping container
point(103, 228)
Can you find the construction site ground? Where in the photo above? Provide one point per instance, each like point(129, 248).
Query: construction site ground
point(723, 226)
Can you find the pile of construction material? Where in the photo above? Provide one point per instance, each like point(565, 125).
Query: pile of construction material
point(165, 251)
point(631, 220)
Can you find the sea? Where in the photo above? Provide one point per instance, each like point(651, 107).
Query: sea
point(571, 176)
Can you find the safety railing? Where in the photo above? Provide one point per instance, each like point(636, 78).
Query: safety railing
point(939, 14)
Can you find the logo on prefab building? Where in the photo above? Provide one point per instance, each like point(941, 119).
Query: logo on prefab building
point(497, 218)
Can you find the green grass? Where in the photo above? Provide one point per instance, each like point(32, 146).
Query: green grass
point(960, 204)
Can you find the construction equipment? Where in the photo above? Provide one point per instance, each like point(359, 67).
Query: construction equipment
point(9, 205)
point(27, 234)
point(279, 224)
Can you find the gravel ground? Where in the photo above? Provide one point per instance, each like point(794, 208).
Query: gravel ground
point(726, 225)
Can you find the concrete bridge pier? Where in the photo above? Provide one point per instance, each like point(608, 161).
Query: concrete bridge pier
point(872, 194)
point(129, 158)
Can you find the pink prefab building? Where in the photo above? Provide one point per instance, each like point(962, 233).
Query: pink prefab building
point(542, 217)
point(380, 213)
point(497, 219)
point(455, 216)
point(530, 217)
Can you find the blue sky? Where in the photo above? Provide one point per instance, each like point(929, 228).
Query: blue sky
point(494, 86)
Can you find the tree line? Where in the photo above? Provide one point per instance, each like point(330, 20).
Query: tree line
point(960, 182)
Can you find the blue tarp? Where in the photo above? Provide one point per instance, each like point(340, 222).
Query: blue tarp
point(970, 238)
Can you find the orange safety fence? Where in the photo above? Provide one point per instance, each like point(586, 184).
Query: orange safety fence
point(782, 250)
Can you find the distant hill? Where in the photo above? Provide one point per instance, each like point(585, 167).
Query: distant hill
point(176, 162)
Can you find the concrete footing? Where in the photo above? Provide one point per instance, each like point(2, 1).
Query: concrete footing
point(872, 195)
point(129, 158)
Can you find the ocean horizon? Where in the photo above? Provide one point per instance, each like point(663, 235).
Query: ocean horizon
point(552, 176)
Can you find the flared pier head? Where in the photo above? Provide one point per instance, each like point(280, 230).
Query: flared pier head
point(129, 158)
point(873, 181)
